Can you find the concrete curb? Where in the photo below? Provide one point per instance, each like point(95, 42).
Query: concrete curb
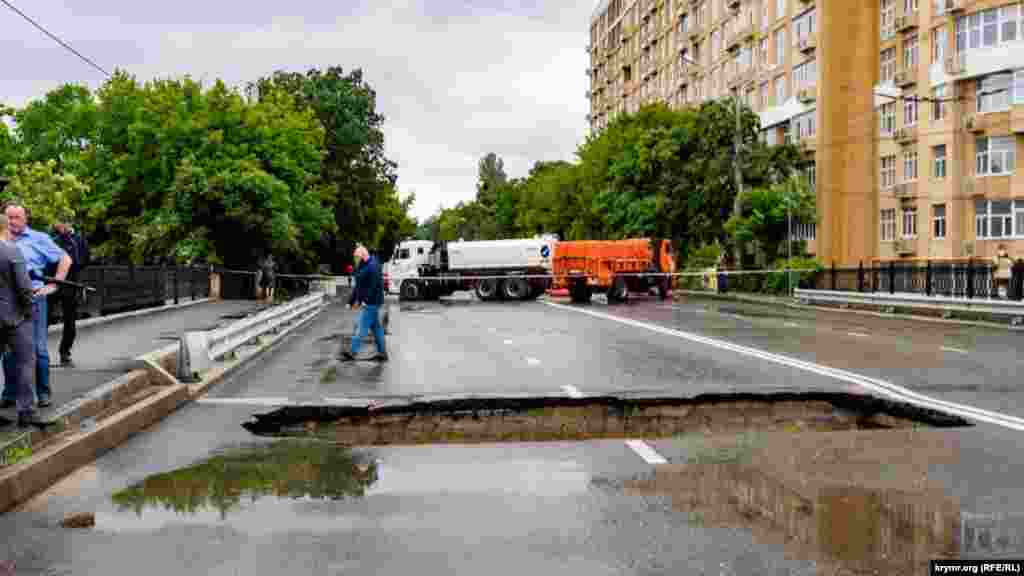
point(23, 480)
point(795, 305)
point(59, 327)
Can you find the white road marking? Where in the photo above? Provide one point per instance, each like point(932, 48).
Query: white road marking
point(872, 384)
point(572, 391)
point(857, 334)
point(508, 342)
point(957, 350)
point(274, 401)
point(532, 361)
point(646, 452)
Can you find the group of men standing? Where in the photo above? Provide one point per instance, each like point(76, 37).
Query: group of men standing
point(25, 257)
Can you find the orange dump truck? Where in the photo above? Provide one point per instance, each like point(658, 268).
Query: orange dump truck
point(615, 267)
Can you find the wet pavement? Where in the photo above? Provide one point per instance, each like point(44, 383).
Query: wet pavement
point(198, 494)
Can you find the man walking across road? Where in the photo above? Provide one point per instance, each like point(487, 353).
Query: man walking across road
point(16, 322)
point(369, 293)
point(75, 246)
point(39, 251)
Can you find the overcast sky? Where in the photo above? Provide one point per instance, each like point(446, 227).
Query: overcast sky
point(454, 80)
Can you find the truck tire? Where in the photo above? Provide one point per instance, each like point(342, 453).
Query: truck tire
point(619, 291)
point(580, 293)
point(487, 290)
point(410, 291)
point(663, 289)
point(515, 289)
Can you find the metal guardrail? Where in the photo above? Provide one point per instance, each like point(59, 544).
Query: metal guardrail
point(200, 349)
point(1008, 308)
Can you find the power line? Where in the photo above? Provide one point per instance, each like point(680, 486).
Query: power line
point(56, 39)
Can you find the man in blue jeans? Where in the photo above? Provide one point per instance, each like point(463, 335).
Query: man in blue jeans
point(369, 292)
point(39, 251)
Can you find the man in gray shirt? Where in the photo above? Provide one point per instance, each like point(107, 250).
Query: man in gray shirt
point(16, 323)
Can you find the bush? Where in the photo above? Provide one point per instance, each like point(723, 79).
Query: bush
point(776, 282)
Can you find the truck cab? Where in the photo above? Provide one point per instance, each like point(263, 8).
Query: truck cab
point(405, 262)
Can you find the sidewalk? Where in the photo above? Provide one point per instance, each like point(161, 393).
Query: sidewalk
point(104, 351)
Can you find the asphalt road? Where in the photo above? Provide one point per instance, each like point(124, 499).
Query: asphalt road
point(198, 494)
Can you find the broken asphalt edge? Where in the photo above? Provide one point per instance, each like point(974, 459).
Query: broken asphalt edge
point(23, 480)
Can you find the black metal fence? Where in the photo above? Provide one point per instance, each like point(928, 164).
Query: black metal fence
point(958, 279)
point(124, 288)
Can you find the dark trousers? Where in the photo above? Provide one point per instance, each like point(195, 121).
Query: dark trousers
point(19, 351)
point(69, 307)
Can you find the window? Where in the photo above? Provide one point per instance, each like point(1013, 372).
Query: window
point(806, 231)
point(939, 156)
point(765, 20)
point(910, 52)
point(764, 95)
point(939, 221)
point(888, 60)
point(804, 125)
point(909, 6)
point(805, 75)
point(762, 52)
point(716, 40)
point(780, 90)
point(403, 254)
point(888, 118)
point(803, 25)
point(780, 46)
point(910, 222)
point(910, 112)
point(995, 156)
point(988, 28)
point(888, 19)
point(812, 176)
point(1018, 87)
point(780, 9)
point(888, 171)
point(888, 227)
point(939, 107)
point(940, 37)
point(994, 219)
point(910, 166)
point(996, 92)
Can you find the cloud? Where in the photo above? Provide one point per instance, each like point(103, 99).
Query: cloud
point(453, 80)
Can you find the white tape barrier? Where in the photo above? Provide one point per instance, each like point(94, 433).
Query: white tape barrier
point(200, 349)
point(397, 278)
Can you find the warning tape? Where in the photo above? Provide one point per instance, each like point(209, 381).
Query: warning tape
point(698, 274)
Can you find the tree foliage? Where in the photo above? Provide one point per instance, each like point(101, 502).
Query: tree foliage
point(172, 170)
point(658, 172)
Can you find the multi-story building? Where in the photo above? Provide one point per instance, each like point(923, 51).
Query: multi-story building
point(912, 109)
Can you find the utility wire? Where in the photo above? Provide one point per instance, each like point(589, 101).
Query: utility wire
point(56, 39)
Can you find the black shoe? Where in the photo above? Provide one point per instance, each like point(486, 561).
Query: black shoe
point(381, 357)
point(45, 403)
point(30, 419)
point(65, 360)
point(7, 403)
point(347, 356)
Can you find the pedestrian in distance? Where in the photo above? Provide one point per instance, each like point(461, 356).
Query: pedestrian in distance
point(16, 324)
point(76, 246)
point(268, 277)
point(39, 251)
point(368, 294)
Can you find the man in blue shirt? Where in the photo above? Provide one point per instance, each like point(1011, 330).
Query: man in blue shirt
point(39, 251)
point(369, 292)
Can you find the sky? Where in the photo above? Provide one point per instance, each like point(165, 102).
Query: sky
point(454, 80)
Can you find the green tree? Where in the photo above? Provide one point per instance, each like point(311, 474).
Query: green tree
point(765, 214)
point(49, 194)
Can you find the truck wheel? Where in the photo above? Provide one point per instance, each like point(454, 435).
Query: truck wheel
point(663, 290)
point(486, 290)
point(515, 289)
point(580, 293)
point(619, 291)
point(410, 291)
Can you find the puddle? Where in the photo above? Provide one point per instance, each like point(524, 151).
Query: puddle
point(473, 420)
point(234, 479)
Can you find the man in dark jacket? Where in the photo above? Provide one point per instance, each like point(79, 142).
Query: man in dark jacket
point(76, 247)
point(368, 293)
point(16, 329)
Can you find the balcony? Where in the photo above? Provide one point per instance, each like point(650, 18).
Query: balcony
point(807, 43)
point(955, 6)
point(906, 77)
point(905, 246)
point(906, 22)
point(733, 5)
point(740, 35)
point(743, 78)
point(906, 135)
point(696, 31)
point(806, 95)
point(905, 190)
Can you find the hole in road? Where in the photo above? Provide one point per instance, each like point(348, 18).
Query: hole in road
point(561, 418)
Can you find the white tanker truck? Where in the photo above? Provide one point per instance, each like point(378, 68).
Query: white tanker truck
point(425, 270)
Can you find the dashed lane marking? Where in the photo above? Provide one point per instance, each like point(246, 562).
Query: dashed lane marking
point(532, 361)
point(957, 350)
point(646, 452)
point(572, 391)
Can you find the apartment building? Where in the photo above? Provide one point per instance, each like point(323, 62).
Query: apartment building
point(912, 109)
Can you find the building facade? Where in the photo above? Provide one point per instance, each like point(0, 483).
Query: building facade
point(912, 109)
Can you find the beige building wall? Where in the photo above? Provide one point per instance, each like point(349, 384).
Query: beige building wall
point(880, 191)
